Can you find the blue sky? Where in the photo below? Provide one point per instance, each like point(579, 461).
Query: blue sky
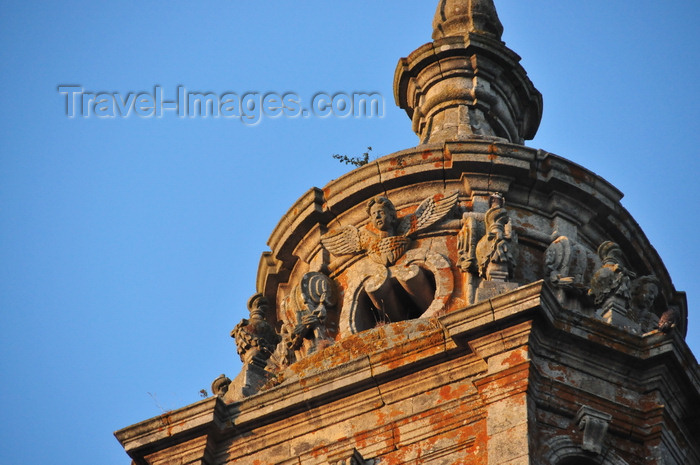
point(129, 246)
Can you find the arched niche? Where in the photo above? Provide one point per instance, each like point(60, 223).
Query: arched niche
point(419, 285)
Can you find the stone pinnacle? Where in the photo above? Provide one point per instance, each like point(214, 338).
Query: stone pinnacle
point(461, 17)
point(467, 84)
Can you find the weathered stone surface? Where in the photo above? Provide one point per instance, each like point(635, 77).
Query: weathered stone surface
point(442, 389)
point(466, 301)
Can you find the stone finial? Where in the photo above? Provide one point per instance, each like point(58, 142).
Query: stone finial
point(220, 385)
point(255, 338)
point(461, 17)
point(595, 426)
point(467, 84)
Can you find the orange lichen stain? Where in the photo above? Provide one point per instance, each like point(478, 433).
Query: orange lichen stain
point(167, 422)
point(446, 392)
point(493, 152)
point(398, 162)
point(372, 437)
point(425, 154)
point(319, 452)
point(513, 359)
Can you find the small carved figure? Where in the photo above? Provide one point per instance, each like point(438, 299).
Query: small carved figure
point(566, 263)
point(644, 292)
point(386, 238)
point(613, 278)
point(255, 338)
point(220, 385)
point(314, 295)
point(494, 250)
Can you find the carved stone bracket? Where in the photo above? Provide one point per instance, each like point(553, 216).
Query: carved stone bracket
point(595, 426)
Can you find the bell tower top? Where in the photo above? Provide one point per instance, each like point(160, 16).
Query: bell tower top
point(467, 84)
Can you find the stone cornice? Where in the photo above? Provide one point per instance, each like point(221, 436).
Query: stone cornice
point(402, 348)
point(173, 427)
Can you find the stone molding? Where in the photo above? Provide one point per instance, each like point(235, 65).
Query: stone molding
point(425, 346)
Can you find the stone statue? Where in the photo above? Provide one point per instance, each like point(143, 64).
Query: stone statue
point(396, 291)
point(613, 278)
point(255, 338)
point(611, 285)
point(386, 238)
point(644, 293)
point(306, 330)
point(494, 250)
point(645, 298)
point(566, 263)
point(314, 295)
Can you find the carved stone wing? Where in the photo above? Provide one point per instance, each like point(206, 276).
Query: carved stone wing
point(343, 242)
point(429, 212)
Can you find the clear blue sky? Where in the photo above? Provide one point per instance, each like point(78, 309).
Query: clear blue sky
point(128, 246)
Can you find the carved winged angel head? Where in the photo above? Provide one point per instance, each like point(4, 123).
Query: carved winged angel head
point(382, 215)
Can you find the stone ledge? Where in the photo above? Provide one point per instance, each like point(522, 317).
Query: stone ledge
point(173, 427)
point(421, 344)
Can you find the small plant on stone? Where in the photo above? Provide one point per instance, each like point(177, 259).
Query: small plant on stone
point(355, 161)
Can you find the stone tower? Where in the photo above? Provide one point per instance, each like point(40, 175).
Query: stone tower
point(467, 301)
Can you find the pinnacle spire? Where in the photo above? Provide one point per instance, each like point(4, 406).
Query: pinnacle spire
point(461, 17)
point(467, 84)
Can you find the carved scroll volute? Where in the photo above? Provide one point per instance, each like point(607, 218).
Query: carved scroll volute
point(566, 263)
point(313, 298)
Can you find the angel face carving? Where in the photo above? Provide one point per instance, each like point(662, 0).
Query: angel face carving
point(386, 238)
point(382, 213)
